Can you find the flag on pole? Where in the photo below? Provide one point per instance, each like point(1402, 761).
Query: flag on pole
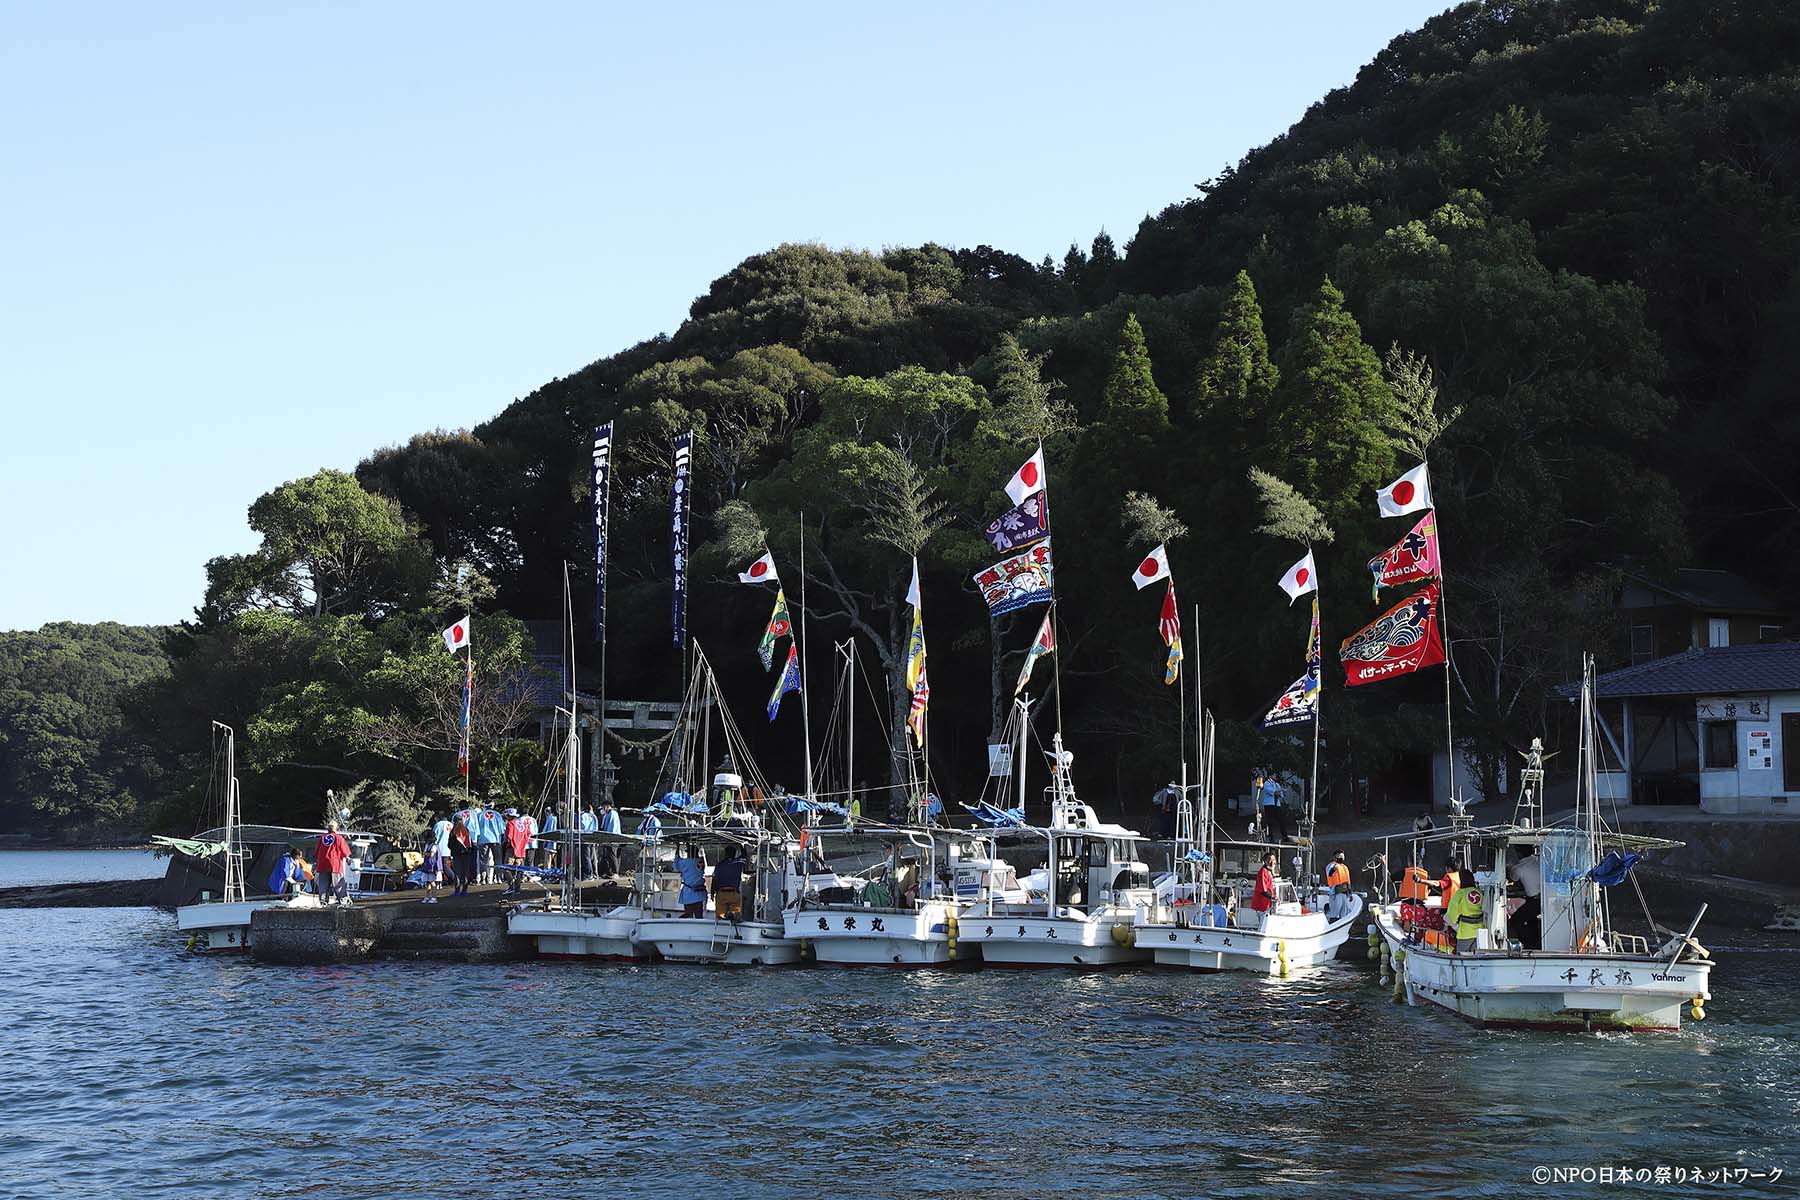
point(679, 509)
point(1299, 703)
point(457, 636)
point(602, 479)
point(1022, 524)
point(1411, 559)
point(1170, 627)
point(1312, 643)
point(1154, 567)
point(779, 626)
point(916, 681)
point(1028, 479)
point(1409, 493)
point(1401, 640)
point(789, 681)
point(1015, 582)
point(1300, 579)
point(462, 751)
point(1045, 644)
point(761, 571)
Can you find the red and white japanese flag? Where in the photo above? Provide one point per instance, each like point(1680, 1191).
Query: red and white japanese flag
point(457, 636)
point(761, 571)
point(1028, 480)
point(1409, 493)
point(1301, 578)
point(1154, 567)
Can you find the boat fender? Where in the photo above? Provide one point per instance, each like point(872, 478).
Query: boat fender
point(1125, 935)
point(950, 932)
point(1697, 1010)
point(1281, 956)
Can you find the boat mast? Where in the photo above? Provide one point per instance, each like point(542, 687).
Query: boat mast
point(234, 854)
point(571, 752)
point(805, 691)
point(850, 733)
point(1312, 785)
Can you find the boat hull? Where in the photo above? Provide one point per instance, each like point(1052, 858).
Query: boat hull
point(1286, 943)
point(1548, 990)
point(1015, 941)
point(220, 926)
point(851, 935)
point(710, 940)
point(607, 937)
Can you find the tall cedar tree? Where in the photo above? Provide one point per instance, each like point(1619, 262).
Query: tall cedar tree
point(1127, 443)
point(1332, 410)
point(1237, 380)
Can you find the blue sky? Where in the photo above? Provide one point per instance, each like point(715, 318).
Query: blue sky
point(240, 243)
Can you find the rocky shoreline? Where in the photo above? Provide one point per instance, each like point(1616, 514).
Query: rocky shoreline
point(110, 893)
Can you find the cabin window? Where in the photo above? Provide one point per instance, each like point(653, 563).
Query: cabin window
point(1768, 633)
point(1719, 741)
point(1643, 643)
point(1718, 631)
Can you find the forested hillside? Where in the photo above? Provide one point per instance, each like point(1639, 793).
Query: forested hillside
point(1548, 246)
point(65, 765)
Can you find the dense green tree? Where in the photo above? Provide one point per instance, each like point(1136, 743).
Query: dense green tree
point(64, 766)
point(328, 547)
point(1331, 412)
point(1237, 380)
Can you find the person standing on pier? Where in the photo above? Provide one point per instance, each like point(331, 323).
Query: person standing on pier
point(587, 823)
point(462, 852)
point(332, 853)
point(440, 847)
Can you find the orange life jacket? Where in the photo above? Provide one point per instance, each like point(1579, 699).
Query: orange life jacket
point(1415, 884)
point(1337, 873)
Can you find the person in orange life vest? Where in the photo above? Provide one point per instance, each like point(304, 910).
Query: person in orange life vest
point(1337, 874)
point(332, 853)
point(1450, 882)
point(462, 852)
point(1263, 898)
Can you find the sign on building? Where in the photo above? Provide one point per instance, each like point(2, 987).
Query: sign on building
point(1731, 708)
point(1761, 754)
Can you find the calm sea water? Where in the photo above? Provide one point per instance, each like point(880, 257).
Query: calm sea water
point(19, 868)
point(132, 1069)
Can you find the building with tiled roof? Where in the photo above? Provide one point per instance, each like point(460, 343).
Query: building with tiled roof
point(1714, 726)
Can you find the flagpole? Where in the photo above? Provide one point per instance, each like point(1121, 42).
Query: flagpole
point(1444, 633)
point(1312, 789)
point(805, 691)
point(1199, 708)
point(469, 711)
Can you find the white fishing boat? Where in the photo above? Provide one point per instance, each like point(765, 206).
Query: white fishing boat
point(1571, 968)
point(754, 937)
point(1204, 917)
point(1083, 905)
point(904, 909)
point(223, 925)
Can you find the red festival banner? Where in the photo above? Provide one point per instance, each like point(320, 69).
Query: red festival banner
point(1412, 558)
point(1401, 640)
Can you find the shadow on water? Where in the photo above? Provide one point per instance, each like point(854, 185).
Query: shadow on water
point(158, 1073)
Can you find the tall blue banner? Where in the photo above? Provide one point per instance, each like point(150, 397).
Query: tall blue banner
point(678, 524)
point(602, 472)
